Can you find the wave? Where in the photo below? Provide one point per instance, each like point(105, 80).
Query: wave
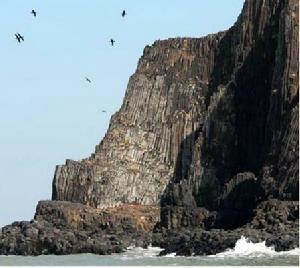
point(170, 255)
point(138, 252)
point(244, 247)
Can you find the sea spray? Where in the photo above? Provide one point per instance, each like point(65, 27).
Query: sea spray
point(138, 252)
point(244, 247)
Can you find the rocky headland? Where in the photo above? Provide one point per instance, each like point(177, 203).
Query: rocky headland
point(204, 149)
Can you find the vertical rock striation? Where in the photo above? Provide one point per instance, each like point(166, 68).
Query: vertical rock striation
point(164, 105)
point(198, 114)
point(249, 140)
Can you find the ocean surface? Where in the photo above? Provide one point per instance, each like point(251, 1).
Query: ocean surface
point(244, 253)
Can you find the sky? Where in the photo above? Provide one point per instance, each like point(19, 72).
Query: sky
point(48, 112)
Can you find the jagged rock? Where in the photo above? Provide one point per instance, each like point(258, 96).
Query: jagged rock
point(273, 214)
point(68, 228)
point(175, 217)
point(280, 231)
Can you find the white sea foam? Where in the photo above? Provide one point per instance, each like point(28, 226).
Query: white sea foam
point(244, 247)
point(148, 257)
point(170, 255)
point(138, 252)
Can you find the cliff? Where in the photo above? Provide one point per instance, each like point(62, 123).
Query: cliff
point(248, 147)
point(196, 113)
point(208, 131)
point(163, 105)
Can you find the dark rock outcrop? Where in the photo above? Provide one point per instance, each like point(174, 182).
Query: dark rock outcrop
point(275, 222)
point(208, 130)
point(247, 151)
point(250, 78)
point(68, 228)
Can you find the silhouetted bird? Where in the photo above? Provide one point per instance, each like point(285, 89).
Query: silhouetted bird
point(87, 79)
point(123, 13)
point(33, 12)
point(103, 111)
point(18, 38)
point(112, 41)
point(21, 37)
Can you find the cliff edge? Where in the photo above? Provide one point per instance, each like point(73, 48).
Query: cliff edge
point(163, 105)
point(198, 112)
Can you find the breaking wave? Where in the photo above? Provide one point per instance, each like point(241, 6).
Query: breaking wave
point(244, 253)
point(244, 247)
point(138, 252)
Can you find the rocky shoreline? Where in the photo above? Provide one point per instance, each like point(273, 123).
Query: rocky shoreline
point(275, 222)
point(68, 228)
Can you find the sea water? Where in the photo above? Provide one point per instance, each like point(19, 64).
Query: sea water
point(244, 253)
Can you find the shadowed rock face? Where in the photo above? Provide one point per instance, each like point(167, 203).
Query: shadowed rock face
point(247, 150)
point(274, 221)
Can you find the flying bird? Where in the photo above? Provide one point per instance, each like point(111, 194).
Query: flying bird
point(19, 37)
point(33, 12)
point(123, 13)
point(87, 79)
point(112, 41)
point(103, 111)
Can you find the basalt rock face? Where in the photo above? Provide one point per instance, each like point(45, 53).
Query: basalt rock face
point(164, 105)
point(198, 112)
point(247, 149)
point(275, 222)
point(208, 128)
point(243, 174)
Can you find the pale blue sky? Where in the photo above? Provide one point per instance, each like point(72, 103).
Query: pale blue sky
point(48, 112)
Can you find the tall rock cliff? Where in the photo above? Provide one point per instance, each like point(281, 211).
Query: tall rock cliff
point(248, 149)
point(203, 120)
point(164, 104)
